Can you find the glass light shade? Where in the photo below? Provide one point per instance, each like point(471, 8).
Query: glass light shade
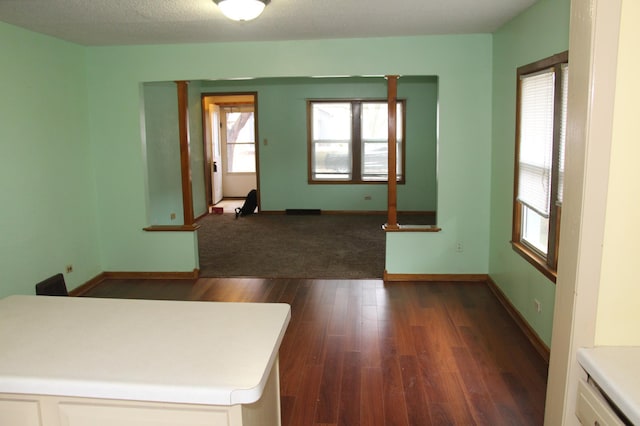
point(241, 10)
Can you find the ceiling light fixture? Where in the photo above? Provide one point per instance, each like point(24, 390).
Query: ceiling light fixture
point(241, 10)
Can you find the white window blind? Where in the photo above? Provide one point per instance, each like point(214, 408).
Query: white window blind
point(536, 140)
point(563, 131)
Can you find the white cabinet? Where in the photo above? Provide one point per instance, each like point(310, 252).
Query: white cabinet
point(612, 394)
point(19, 412)
point(51, 410)
point(70, 361)
point(45, 410)
point(80, 414)
point(593, 409)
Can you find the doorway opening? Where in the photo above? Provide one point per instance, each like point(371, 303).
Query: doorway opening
point(231, 152)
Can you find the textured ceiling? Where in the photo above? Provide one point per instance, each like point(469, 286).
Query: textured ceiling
point(119, 22)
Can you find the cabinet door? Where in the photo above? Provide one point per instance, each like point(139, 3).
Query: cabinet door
point(592, 409)
point(16, 412)
point(72, 414)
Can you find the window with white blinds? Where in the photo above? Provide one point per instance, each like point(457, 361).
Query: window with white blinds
point(536, 140)
point(540, 155)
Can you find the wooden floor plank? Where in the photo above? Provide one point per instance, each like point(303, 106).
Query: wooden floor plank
point(414, 395)
point(330, 386)
point(370, 337)
point(353, 326)
point(361, 352)
point(350, 390)
point(304, 408)
point(456, 405)
point(371, 399)
point(395, 408)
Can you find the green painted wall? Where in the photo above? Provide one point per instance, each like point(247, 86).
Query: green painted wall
point(462, 64)
point(196, 150)
point(162, 139)
point(519, 42)
point(119, 148)
point(48, 217)
point(282, 120)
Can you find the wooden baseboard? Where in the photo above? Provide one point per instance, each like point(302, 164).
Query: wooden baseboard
point(193, 275)
point(82, 289)
point(387, 277)
point(356, 212)
point(172, 228)
point(205, 214)
point(532, 336)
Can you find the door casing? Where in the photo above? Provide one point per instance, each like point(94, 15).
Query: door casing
point(220, 99)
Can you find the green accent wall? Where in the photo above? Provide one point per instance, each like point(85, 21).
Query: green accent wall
point(123, 178)
point(161, 139)
point(196, 149)
point(162, 142)
point(282, 121)
point(462, 64)
point(541, 31)
point(48, 217)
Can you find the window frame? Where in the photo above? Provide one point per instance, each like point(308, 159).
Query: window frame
point(357, 143)
point(547, 264)
point(238, 108)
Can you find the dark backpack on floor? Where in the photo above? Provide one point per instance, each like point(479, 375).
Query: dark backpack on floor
point(250, 204)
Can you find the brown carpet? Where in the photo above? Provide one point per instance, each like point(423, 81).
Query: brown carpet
point(289, 246)
point(292, 246)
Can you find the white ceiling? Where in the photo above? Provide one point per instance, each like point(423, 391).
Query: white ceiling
point(120, 22)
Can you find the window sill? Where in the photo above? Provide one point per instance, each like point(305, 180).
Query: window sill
point(172, 228)
point(535, 260)
point(411, 228)
point(351, 182)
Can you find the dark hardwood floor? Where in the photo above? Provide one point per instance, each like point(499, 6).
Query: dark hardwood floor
point(359, 352)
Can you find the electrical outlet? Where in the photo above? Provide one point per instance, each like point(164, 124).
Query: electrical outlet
point(69, 269)
point(537, 305)
point(459, 247)
point(173, 216)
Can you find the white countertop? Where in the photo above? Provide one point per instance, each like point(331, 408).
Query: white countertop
point(145, 350)
point(616, 370)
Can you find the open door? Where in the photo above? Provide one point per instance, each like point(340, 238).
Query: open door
point(238, 149)
point(216, 151)
point(231, 151)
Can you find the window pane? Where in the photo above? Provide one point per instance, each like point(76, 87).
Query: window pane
point(241, 158)
point(240, 127)
point(535, 229)
point(375, 124)
point(331, 144)
point(241, 151)
point(331, 121)
point(331, 160)
point(536, 140)
point(375, 161)
point(375, 133)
